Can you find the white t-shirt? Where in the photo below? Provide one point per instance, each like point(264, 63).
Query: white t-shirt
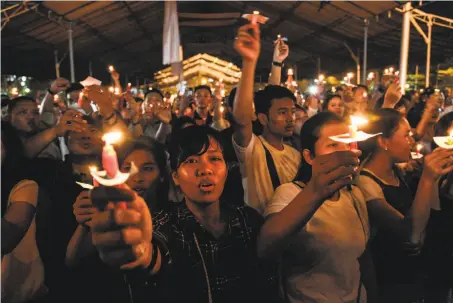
point(256, 180)
point(22, 269)
point(321, 263)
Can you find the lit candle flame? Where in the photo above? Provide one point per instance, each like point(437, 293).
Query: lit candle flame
point(93, 169)
point(222, 109)
point(256, 12)
point(129, 84)
point(111, 68)
point(111, 89)
point(117, 90)
point(358, 121)
point(419, 147)
point(279, 36)
point(321, 77)
point(56, 98)
point(112, 137)
point(290, 72)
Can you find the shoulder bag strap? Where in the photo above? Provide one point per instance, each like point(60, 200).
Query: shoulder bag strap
point(271, 167)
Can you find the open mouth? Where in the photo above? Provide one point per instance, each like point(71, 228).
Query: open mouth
point(86, 145)
point(206, 186)
point(140, 191)
point(289, 127)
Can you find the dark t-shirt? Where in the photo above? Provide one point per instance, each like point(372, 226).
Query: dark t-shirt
point(194, 259)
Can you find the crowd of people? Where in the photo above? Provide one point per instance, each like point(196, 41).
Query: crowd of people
point(245, 198)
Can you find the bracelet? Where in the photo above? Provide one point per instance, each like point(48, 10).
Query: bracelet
point(51, 92)
point(277, 63)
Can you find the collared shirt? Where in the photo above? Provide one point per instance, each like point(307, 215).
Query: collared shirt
point(194, 258)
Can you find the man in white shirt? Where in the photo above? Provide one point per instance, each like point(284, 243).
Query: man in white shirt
point(265, 161)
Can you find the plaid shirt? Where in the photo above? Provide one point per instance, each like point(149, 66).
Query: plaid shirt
point(229, 264)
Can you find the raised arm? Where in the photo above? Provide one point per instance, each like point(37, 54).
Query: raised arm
point(248, 46)
point(70, 121)
point(281, 52)
point(48, 117)
point(329, 174)
point(111, 120)
point(411, 227)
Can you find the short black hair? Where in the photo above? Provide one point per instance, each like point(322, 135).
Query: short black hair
point(263, 98)
point(329, 98)
point(383, 120)
point(14, 102)
point(202, 87)
point(74, 87)
point(153, 90)
point(189, 141)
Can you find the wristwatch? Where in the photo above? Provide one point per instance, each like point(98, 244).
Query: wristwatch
point(277, 63)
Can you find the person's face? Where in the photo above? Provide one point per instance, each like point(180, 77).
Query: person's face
point(153, 99)
point(313, 102)
point(301, 117)
point(361, 99)
point(203, 98)
point(202, 178)
point(398, 146)
point(281, 117)
point(74, 96)
point(148, 171)
point(25, 117)
point(336, 106)
point(325, 145)
point(87, 143)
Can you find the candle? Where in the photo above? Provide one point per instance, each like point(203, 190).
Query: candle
point(111, 68)
point(109, 157)
point(419, 148)
point(356, 121)
point(255, 16)
point(222, 109)
point(94, 169)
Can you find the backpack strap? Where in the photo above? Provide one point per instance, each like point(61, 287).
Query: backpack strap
point(271, 167)
point(370, 175)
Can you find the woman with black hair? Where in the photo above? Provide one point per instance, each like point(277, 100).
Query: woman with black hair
point(398, 216)
point(316, 225)
point(200, 250)
point(334, 104)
